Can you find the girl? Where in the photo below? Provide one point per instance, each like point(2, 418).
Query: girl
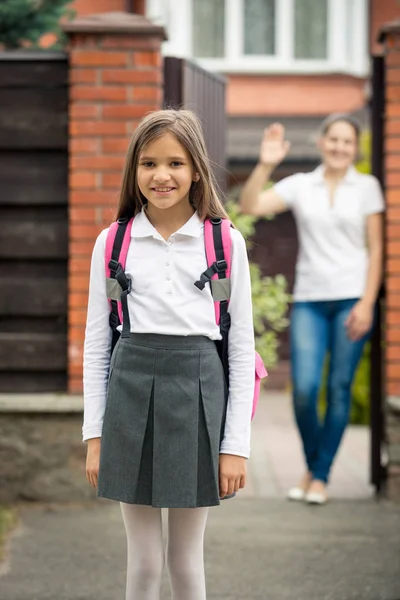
point(338, 275)
point(155, 422)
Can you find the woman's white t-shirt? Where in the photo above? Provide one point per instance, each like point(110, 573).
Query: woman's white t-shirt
point(332, 262)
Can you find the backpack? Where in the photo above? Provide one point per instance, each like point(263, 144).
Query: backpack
point(218, 253)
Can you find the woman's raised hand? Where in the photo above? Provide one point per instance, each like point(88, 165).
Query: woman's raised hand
point(274, 147)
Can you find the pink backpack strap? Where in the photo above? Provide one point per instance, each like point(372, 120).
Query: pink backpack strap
point(112, 231)
point(212, 243)
point(110, 241)
point(211, 254)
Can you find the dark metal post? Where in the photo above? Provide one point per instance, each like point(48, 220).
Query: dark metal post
point(173, 88)
point(377, 393)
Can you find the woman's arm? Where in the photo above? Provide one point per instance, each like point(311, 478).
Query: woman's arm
point(375, 253)
point(254, 200)
point(361, 317)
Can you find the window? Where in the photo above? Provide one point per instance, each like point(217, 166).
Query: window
point(259, 27)
point(311, 29)
point(208, 28)
point(267, 36)
point(257, 19)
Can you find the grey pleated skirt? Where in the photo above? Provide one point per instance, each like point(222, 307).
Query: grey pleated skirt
point(163, 422)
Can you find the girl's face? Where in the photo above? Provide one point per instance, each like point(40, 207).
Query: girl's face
point(165, 172)
point(339, 146)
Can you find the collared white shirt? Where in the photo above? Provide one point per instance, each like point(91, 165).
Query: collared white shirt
point(164, 300)
point(332, 262)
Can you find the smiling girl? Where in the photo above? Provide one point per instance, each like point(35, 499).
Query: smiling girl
point(338, 275)
point(162, 429)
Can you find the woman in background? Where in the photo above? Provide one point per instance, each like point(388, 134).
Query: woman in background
point(338, 213)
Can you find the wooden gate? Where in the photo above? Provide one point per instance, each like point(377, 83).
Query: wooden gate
point(377, 393)
point(34, 222)
point(186, 85)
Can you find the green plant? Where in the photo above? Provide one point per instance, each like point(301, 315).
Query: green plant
point(8, 521)
point(269, 294)
point(364, 163)
point(24, 22)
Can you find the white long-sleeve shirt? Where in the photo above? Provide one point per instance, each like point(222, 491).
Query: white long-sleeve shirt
point(164, 300)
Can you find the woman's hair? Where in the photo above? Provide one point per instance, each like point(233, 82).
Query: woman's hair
point(338, 117)
point(186, 127)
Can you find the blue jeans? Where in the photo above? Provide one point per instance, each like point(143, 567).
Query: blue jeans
point(317, 328)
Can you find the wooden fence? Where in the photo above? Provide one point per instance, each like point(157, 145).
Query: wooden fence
point(34, 221)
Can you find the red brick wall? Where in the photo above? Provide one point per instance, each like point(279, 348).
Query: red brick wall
point(392, 174)
point(381, 12)
point(271, 95)
point(91, 7)
point(115, 80)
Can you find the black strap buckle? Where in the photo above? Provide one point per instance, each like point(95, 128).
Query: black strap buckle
point(114, 320)
point(221, 265)
point(129, 284)
point(217, 267)
point(113, 265)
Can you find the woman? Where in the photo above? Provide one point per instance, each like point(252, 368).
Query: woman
point(338, 212)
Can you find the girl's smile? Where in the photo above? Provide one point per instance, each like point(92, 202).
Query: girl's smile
point(163, 191)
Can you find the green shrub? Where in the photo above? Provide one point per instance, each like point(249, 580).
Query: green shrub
point(269, 295)
point(8, 521)
point(24, 22)
point(364, 163)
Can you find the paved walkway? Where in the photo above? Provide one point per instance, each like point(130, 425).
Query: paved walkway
point(277, 460)
point(258, 546)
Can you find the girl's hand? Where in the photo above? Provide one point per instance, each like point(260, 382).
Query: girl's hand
point(232, 474)
point(359, 321)
point(274, 147)
point(93, 461)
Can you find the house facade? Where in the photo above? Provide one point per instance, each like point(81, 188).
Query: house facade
point(293, 61)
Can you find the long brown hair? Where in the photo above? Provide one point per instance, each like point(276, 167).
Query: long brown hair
point(186, 127)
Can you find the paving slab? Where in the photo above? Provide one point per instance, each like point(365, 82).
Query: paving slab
point(277, 460)
point(255, 549)
point(258, 546)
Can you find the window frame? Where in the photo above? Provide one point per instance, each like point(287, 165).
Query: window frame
point(343, 55)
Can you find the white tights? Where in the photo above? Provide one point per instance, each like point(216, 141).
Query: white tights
point(185, 561)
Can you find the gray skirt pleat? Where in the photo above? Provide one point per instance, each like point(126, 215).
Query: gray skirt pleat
point(163, 422)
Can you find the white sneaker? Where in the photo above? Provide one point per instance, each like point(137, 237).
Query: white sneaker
point(296, 493)
point(316, 498)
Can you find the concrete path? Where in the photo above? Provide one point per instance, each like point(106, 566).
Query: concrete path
point(258, 546)
point(277, 459)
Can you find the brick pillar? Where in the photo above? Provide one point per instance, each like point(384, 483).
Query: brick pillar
point(115, 79)
point(391, 38)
